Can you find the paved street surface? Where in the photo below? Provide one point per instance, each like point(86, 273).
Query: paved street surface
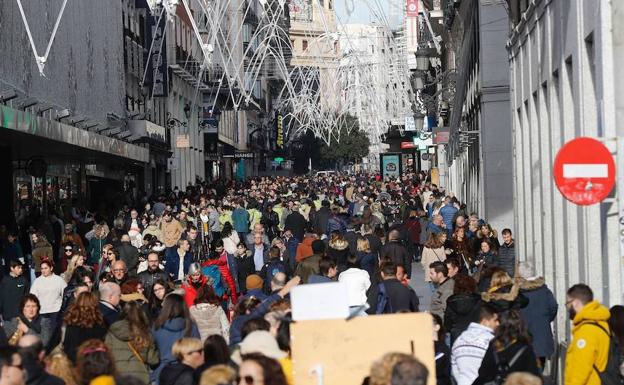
point(417, 282)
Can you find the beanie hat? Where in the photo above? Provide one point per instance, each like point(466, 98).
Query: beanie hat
point(253, 281)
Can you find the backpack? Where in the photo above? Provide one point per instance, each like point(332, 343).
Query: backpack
point(503, 368)
point(384, 306)
point(611, 375)
point(271, 268)
point(213, 274)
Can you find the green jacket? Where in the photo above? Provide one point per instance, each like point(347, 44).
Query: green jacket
point(126, 361)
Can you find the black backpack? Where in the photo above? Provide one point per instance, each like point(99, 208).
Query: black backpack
point(383, 301)
point(503, 368)
point(611, 375)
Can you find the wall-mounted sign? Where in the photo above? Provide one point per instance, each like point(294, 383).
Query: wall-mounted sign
point(390, 165)
point(240, 155)
point(182, 141)
point(441, 135)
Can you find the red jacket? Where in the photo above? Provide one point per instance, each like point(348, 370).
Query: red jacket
point(226, 275)
point(190, 293)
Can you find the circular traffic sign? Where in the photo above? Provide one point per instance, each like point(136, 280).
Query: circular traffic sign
point(584, 171)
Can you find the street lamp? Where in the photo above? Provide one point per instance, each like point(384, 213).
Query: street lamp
point(422, 59)
point(419, 120)
point(417, 81)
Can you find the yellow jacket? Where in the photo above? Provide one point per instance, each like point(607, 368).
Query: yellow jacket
point(589, 346)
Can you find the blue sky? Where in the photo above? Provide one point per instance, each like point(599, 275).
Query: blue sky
point(361, 10)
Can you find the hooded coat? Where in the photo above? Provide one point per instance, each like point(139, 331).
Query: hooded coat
point(588, 347)
point(126, 361)
point(538, 315)
point(165, 337)
point(338, 250)
point(461, 310)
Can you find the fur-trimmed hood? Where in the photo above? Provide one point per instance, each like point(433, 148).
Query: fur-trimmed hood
point(339, 244)
point(504, 293)
point(532, 283)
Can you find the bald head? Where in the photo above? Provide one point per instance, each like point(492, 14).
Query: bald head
point(31, 346)
point(278, 281)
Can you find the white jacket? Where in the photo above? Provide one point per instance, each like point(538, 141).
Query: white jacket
point(210, 319)
point(358, 282)
point(49, 291)
point(468, 352)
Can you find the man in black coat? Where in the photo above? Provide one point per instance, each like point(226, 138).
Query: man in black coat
point(321, 218)
point(397, 252)
point(296, 222)
point(400, 297)
point(153, 272)
point(129, 254)
point(12, 288)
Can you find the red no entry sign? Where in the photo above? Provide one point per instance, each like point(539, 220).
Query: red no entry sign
point(584, 171)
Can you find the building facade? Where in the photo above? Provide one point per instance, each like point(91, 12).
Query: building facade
point(64, 136)
point(475, 165)
point(564, 57)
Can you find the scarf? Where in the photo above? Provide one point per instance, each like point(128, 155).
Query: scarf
point(34, 325)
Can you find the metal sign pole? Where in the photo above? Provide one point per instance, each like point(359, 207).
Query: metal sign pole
point(620, 198)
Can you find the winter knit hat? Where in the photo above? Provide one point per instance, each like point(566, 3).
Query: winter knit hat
point(259, 341)
point(253, 281)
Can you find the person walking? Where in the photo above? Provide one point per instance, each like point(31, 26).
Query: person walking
point(511, 345)
point(83, 321)
point(49, 287)
point(588, 352)
point(539, 313)
point(173, 323)
point(470, 347)
point(13, 287)
point(433, 251)
point(132, 345)
point(189, 355)
point(438, 273)
point(390, 295)
point(208, 314)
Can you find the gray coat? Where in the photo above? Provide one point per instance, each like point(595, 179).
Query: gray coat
point(439, 297)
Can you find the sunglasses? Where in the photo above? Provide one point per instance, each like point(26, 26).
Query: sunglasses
point(248, 380)
point(70, 249)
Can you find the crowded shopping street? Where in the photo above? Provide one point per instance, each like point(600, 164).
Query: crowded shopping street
point(311, 192)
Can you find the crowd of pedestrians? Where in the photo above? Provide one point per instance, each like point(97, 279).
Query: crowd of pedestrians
point(193, 287)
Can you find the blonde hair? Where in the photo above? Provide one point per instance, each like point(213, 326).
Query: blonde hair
point(521, 378)
point(71, 266)
point(381, 371)
point(363, 245)
point(500, 279)
point(185, 346)
point(59, 365)
point(217, 375)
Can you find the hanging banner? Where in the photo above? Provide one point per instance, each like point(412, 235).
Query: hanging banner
point(280, 132)
point(157, 62)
